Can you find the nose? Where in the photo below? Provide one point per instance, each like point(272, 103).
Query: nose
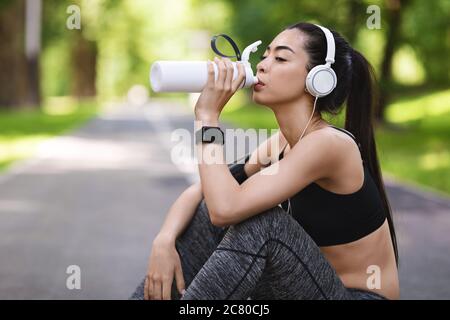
point(260, 67)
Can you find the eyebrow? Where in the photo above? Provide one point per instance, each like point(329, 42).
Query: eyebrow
point(281, 48)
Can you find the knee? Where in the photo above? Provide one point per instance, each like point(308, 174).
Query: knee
point(200, 220)
point(201, 216)
point(268, 223)
point(270, 219)
point(202, 210)
point(201, 226)
point(256, 232)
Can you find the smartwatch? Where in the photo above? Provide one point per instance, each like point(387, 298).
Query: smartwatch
point(207, 134)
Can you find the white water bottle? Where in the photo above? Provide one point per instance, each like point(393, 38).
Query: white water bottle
point(191, 76)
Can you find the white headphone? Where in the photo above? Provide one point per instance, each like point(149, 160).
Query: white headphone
point(321, 80)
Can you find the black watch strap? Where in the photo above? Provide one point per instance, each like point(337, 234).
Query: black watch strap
point(208, 134)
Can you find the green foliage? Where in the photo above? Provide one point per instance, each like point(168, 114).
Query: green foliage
point(56, 76)
point(426, 28)
point(130, 35)
point(5, 3)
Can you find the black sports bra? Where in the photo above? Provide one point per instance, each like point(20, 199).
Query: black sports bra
point(331, 218)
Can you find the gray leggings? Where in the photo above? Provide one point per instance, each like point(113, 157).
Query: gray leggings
point(268, 256)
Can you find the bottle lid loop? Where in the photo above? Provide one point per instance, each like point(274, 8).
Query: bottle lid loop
point(233, 44)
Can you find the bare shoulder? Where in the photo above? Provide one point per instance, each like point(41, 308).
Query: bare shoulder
point(335, 142)
point(345, 147)
point(328, 151)
point(328, 146)
point(318, 139)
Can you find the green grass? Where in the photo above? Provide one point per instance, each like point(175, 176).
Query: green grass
point(22, 131)
point(416, 151)
point(420, 151)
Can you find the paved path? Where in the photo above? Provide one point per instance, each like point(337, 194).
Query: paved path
point(97, 197)
point(94, 198)
point(423, 231)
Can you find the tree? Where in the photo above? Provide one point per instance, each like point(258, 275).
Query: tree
point(66, 28)
point(13, 69)
point(394, 12)
point(33, 23)
point(20, 22)
point(426, 29)
point(84, 60)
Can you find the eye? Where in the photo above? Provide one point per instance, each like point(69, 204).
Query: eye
point(276, 58)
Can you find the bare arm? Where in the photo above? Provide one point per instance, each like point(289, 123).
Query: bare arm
point(183, 209)
point(180, 214)
point(312, 158)
point(164, 262)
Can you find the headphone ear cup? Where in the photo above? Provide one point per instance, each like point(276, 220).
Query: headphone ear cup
point(321, 80)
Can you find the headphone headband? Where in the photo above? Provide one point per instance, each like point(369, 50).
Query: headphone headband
point(330, 45)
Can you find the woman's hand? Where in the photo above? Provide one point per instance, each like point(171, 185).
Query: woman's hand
point(216, 93)
point(164, 264)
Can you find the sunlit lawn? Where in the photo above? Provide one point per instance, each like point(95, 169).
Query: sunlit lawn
point(21, 132)
point(417, 151)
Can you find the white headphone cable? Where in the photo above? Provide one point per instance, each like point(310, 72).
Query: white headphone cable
point(289, 210)
point(312, 114)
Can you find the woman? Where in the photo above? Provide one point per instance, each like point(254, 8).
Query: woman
point(333, 235)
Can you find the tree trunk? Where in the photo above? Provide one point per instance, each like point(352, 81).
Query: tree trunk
point(84, 60)
point(32, 50)
point(355, 9)
point(13, 69)
point(394, 8)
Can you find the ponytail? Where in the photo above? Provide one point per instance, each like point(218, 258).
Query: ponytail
point(358, 120)
point(356, 86)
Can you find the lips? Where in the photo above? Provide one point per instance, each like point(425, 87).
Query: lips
point(259, 86)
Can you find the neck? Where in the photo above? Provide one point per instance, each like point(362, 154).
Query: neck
point(293, 117)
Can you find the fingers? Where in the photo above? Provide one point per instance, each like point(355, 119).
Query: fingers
point(211, 78)
point(240, 78)
point(226, 74)
point(157, 289)
point(167, 288)
point(225, 80)
point(229, 77)
point(149, 289)
point(179, 279)
point(146, 285)
point(220, 83)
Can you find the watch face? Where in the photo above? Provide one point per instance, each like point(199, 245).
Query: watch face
point(210, 135)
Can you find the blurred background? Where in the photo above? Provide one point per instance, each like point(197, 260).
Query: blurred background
point(79, 70)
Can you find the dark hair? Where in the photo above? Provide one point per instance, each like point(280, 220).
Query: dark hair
point(356, 85)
